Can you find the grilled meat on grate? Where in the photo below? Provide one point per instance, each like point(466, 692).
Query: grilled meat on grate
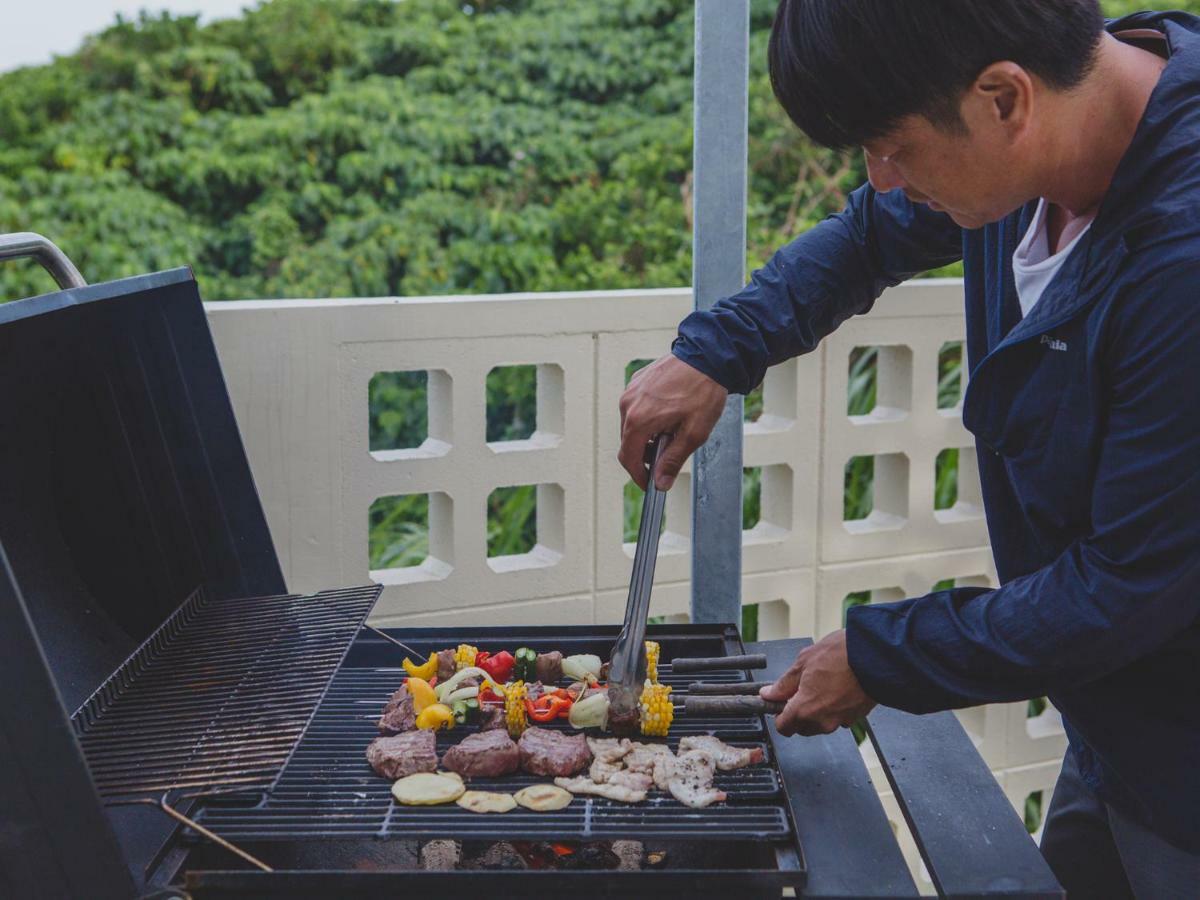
point(545, 752)
point(485, 754)
point(399, 715)
point(727, 758)
point(404, 754)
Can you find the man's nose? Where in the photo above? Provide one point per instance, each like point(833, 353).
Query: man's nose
point(883, 175)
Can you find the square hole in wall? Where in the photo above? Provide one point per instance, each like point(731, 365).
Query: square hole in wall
point(407, 537)
point(524, 527)
point(879, 384)
point(767, 621)
point(1034, 812)
point(751, 497)
point(1042, 720)
point(875, 492)
point(752, 405)
point(949, 375)
point(525, 406)
point(966, 581)
point(633, 367)
point(408, 414)
point(956, 492)
point(676, 527)
point(864, 598)
point(632, 512)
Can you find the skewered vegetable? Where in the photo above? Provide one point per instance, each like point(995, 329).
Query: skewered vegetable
point(446, 688)
point(656, 709)
point(423, 695)
point(580, 666)
point(466, 712)
point(652, 653)
point(548, 707)
point(514, 708)
point(460, 694)
point(436, 717)
point(464, 656)
point(590, 712)
point(525, 664)
point(498, 667)
point(425, 670)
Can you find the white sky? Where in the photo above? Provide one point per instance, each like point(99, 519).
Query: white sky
point(33, 31)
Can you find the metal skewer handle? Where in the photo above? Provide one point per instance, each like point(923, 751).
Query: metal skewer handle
point(683, 664)
point(746, 688)
point(731, 706)
point(24, 244)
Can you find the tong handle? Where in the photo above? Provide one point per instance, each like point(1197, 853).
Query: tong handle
point(629, 653)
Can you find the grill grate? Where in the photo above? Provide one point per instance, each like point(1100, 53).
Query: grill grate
point(219, 694)
point(328, 790)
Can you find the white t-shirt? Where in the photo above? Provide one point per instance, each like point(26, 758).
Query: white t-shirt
point(1033, 266)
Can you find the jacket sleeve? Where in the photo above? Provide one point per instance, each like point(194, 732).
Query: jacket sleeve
point(1116, 595)
point(815, 283)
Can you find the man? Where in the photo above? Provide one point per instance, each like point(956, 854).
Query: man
point(1059, 158)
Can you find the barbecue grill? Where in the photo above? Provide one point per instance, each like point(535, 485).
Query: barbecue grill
point(183, 724)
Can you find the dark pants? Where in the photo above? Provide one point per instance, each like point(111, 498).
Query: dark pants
point(1096, 852)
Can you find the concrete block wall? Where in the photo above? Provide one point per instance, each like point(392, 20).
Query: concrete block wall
point(298, 373)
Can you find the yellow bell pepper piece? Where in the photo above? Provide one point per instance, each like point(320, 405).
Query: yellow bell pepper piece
point(652, 653)
point(422, 694)
point(657, 711)
point(435, 717)
point(515, 716)
point(464, 656)
point(426, 670)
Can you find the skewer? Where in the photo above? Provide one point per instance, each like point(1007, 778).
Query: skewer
point(684, 664)
point(731, 706)
point(417, 657)
point(749, 688)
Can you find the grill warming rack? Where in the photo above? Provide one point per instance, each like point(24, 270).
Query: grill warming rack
point(327, 790)
point(219, 694)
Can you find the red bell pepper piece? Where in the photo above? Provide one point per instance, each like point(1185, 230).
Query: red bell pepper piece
point(498, 666)
point(547, 708)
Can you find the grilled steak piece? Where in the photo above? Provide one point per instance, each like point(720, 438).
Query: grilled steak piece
point(399, 715)
point(549, 667)
point(445, 665)
point(484, 754)
point(545, 752)
point(403, 754)
point(492, 719)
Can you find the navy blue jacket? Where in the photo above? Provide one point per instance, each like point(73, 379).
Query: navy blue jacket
point(1088, 445)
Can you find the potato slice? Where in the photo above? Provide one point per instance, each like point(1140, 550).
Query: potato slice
point(453, 775)
point(487, 802)
point(543, 797)
point(427, 789)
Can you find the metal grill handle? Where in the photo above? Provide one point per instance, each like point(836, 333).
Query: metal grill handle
point(28, 244)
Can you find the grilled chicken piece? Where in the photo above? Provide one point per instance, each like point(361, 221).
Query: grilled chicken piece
point(602, 771)
point(691, 777)
point(642, 756)
point(634, 780)
point(727, 758)
point(609, 750)
point(662, 771)
point(585, 785)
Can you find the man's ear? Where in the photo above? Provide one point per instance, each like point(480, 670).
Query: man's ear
point(1002, 98)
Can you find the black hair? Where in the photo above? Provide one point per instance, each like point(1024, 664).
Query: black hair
point(846, 71)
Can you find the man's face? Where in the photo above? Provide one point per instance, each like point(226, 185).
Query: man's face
point(972, 176)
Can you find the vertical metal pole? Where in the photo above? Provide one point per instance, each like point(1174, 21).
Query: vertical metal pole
point(722, 73)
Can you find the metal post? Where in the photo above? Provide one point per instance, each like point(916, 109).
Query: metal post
point(722, 73)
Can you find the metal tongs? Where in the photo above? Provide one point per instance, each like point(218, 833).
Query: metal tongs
point(628, 671)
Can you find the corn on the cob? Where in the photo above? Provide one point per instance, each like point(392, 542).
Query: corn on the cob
point(515, 716)
point(652, 654)
point(464, 656)
point(656, 709)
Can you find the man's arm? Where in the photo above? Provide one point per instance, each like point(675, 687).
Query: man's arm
point(1110, 598)
point(811, 286)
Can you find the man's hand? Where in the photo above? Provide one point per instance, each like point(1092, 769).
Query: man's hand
point(820, 689)
point(668, 396)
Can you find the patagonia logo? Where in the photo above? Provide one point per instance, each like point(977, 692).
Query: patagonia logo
point(1053, 343)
